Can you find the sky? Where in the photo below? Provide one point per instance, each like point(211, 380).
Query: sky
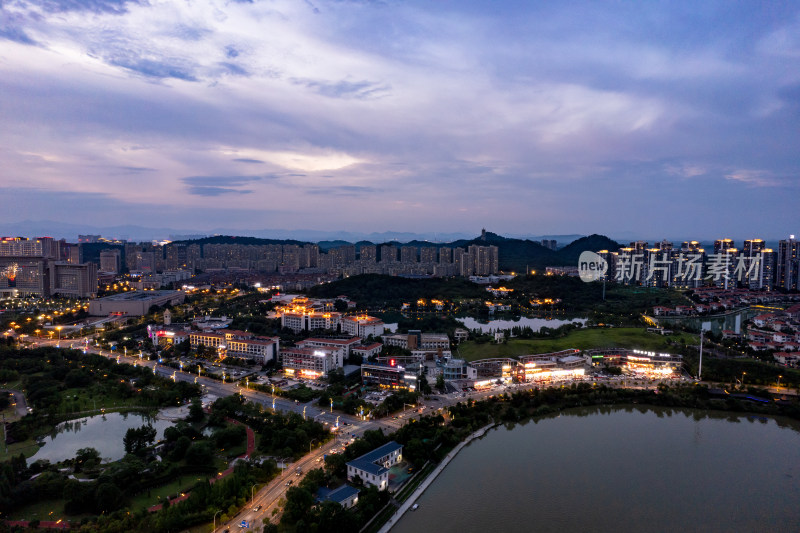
point(672, 120)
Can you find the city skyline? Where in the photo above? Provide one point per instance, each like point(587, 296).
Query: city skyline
point(668, 121)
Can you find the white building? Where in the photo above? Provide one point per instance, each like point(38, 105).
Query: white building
point(310, 363)
point(362, 326)
point(373, 467)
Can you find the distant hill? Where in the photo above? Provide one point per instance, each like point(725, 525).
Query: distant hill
point(229, 239)
point(516, 255)
point(593, 243)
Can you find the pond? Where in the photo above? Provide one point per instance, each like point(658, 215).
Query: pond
point(534, 323)
point(101, 432)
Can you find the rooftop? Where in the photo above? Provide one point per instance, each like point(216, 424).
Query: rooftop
point(367, 462)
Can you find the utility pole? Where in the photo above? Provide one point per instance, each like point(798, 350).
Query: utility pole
point(700, 366)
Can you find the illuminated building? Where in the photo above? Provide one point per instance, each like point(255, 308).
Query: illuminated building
point(362, 326)
point(309, 363)
point(341, 345)
point(638, 361)
point(373, 467)
point(388, 376)
point(787, 271)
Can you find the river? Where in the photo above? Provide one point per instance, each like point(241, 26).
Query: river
point(620, 469)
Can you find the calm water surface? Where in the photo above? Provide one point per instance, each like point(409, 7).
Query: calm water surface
point(618, 469)
point(102, 432)
point(534, 323)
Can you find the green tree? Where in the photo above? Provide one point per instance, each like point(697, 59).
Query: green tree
point(137, 439)
point(440, 382)
point(86, 459)
point(196, 413)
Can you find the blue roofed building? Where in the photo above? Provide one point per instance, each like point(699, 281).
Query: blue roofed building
point(346, 496)
point(373, 467)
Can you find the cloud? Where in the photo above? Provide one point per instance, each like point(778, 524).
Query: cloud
point(15, 34)
point(360, 90)
point(245, 160)
point(231, 181)
point(757, 178)
point(201, 190)
point(232, 68)
point(113, 7)
point(154, 68)
point(342, 190)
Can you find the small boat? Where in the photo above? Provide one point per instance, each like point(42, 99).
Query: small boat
point(414, 507)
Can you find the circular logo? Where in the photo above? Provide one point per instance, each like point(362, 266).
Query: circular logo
point(591, 266)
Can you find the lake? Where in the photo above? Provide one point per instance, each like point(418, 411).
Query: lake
point(534, 323)
point(102, 432)
point(620, 469)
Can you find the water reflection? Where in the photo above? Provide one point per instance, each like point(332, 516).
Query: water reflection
point(102, 432)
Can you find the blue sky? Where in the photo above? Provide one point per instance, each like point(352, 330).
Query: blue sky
point(664, 119)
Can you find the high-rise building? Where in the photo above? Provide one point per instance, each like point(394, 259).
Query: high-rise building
point(408, 254)
point(722, 244)
point(388, 253)
point(787, 268)
point(110, 261)
point(368, 253)
point(427, 254)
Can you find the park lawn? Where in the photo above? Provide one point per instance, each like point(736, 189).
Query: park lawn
point(582, 339)
point(90, 399)
point(42, 510)
point(157, 495)
point(27, 448)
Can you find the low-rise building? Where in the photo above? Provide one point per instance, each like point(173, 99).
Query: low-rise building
point(135, 303)
point(367, 350)
point(373, 467)
point(362, 326)
point(345, 495)
point(309, 363)
point(388, 376)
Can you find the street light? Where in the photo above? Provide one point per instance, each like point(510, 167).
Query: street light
point(252, 500)
point(58, 328)
point(214, 527)
point(743, 373)
point(779, 383)
point(310, 443)
point(331, 405)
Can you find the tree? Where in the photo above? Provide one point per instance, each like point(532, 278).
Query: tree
point(424, 386)
point(200, 454)
point(86, 459)
point(440, 382)
point(196, 413)
point(137, 439)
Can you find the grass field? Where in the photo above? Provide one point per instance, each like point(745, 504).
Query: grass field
point(582, 339)
point(145, 500)
point(26, 448)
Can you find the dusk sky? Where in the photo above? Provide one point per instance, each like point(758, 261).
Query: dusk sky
point(673, 119)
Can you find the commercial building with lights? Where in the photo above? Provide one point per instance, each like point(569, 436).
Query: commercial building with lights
point(388, 376)
point(373, 467)
point(638, 361)
point(309, 363)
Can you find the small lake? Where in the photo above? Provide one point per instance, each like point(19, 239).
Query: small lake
point(534, 323)
point(101, 432)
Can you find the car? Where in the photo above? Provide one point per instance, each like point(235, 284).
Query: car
point(289, 482)
point(257, 508)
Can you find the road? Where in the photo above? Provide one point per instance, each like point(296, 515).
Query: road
point(268, 497)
